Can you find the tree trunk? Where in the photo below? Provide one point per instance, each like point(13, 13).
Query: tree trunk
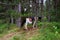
point(42, 15)
point(48, 10)
point(18, 20)
point(12, 20)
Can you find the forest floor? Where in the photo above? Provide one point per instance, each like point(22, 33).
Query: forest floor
point(45, 31)
point(28, 34)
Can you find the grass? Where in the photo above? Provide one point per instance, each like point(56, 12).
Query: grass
point(46, 32)
point(4, 29)
point(25, 35)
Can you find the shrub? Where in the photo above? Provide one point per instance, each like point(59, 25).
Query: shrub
point(52, 26)
point(3, 28)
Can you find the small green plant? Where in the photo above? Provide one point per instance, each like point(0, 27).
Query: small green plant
point(16, 38)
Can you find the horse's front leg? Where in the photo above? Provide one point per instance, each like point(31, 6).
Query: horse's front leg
point(26, 26)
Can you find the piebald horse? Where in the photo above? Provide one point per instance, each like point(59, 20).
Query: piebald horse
point(29, 20)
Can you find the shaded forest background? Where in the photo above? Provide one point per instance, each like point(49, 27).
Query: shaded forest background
point(9, 9)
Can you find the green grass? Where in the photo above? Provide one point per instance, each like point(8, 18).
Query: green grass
point(46, 32)
point(6, 29)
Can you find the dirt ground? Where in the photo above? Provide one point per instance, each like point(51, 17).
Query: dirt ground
point(28, 34)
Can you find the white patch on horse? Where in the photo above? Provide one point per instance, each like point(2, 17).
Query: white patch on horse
point(28, 21)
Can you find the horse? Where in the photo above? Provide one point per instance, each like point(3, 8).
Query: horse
point(29, 20)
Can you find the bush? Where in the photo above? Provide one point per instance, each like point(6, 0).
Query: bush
point(53, 26)
point(3, 28)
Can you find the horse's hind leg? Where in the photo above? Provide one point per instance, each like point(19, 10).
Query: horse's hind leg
point(35, 22)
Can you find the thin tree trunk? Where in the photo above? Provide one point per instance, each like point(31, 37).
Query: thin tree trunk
point(12, 21)
point(48, 10)
point(42, 15)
